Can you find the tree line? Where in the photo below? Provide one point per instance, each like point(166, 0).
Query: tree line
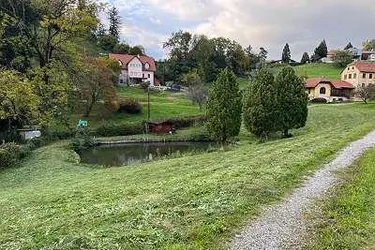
point(268, 105)
point(46, 72)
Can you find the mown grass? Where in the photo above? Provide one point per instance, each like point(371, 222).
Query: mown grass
point(163, 105)
point(313, 70)
point(348, 220)
point(192, 202)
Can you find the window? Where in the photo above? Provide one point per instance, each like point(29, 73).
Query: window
point(350, 76)
point(370, 76)
point(149, 75)
point(345, 77)
point(323, 91)
point(355, 76)
point(364, 75)
point(363, 85)
point(352, 67)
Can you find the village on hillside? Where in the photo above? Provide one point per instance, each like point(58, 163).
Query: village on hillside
point(186, 125)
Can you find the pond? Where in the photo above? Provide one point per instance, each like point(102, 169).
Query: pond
point(126, 154)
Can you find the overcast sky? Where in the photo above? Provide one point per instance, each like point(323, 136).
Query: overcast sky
point(268, 23)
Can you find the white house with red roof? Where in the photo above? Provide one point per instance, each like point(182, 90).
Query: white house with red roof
point(136, 69)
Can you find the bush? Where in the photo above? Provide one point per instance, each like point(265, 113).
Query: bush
point(9, 154)
point(130, 106)
point(108, 129)
point(82, 140)
point(319, 100)
point(185, 122)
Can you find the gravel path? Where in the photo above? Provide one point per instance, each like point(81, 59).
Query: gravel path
point(283, 226)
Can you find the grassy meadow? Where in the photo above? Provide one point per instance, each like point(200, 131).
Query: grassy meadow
point(315, 70)
point(50, 201)
point(163, 105)
point(348, 220)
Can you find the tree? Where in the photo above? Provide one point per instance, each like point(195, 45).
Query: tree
point(94, 82)
point(121, 48)
point(349, 46)
point(260, 108)
point(18, 98)
point(114, 23)
point(286, 56)
point(291, 100)
point(342, 57)
point(224, 107)
point(197, 91)
point(321, 51)
point(137, 50)
point(108, 42)
point(263, 54)
point(369, 45)
point(305, 58)
point(366, 93)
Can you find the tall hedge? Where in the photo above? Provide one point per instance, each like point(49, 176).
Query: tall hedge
point(224, 107)
point(260, 108)
point(292, 100)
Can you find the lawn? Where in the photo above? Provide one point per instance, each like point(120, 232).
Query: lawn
point(192, 202)
point(318, 70)
point(163, 105)
point(348, 221)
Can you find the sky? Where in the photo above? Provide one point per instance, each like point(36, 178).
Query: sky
point(259, 23)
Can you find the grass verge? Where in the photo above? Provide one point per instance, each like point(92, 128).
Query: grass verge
point(348, 220)
point(193, 202)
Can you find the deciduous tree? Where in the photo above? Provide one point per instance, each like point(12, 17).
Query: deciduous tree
point(342, 57)
point(366, 93)
point(369, 45)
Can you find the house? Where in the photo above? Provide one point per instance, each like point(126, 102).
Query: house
point(160, 126)
point(331, 90)
point(368, 55)
point(135, 69)
point(359, 74)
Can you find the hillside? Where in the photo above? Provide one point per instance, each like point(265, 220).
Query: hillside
point(317, 70)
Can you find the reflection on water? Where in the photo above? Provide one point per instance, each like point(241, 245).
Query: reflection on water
point(119, 155)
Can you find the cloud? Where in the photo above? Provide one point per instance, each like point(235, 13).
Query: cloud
point(269, 23)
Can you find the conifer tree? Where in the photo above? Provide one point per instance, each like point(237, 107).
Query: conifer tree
point(286, 57)
point(224, 107)
point(260, 107)
point(305, 58)
point(114, 23)
point(321, 51)
point(349, 46)
point(291, 100)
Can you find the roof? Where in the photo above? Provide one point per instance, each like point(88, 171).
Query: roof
point(337, 84)
point(125, 59)
point(364, 66)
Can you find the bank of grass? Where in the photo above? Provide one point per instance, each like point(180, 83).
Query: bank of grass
point(194, 202)
point(163, 105)
point(315, 70)
point(348, 220)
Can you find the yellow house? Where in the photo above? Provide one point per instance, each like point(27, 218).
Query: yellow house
point(359, 74)
point(331, 90)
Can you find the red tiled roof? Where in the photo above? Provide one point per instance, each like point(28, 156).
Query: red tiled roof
point(125, 59)
point(338, 84)
point(364, 66)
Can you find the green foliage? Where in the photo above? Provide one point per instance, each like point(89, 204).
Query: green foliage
point(108, 129)
point(114, 23)
point(82, 140)
point(342, 58)
point(121, 48)
point(320, 52)
point(319, 100)
point(291, 100)
point(188, 121)
point(224, 107)
point(286, 55)
point(9, 154)
point(260, 108)
point(129, 106)
point(18, 98)
point(108, 42)
point(368, 45)
point(305, 58)
point(137, 50)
